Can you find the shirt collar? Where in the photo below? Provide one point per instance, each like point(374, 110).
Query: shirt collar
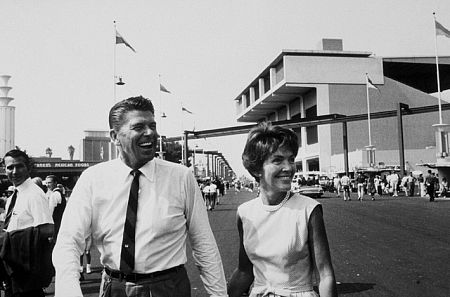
point(23, 185)
point(147, 170)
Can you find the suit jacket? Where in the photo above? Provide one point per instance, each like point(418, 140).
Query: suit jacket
point(27, 257)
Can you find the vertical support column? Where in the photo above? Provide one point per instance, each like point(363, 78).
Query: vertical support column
point(186, 148)
point(193, 162)
point(303, 129)
point(207, 164)
point(345, 146)
point(244, 101)
point(288, 112)
point(213, 159)
point(401, 146)
point(238, 106)
point(252, 95)
point(261, 87)
point(273, 77)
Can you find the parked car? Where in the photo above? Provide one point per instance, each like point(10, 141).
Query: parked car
point(315, 191)
point(326, 183)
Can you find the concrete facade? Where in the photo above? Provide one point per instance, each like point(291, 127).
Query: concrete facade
point(97, 146)
point(303, 84)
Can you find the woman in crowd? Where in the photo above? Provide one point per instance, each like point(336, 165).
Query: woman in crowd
point(282, 234)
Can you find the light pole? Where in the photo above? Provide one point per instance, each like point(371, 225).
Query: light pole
point(193, 161)
point(161, 153)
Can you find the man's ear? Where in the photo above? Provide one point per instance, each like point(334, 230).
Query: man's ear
point(113, 136)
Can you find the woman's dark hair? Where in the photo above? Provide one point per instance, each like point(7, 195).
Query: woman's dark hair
point(263, 141)
point(118, 111)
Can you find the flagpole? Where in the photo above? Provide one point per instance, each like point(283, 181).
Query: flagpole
point(368, 109)
point(114, 78)
point(182, 134)
point(160, 115)
point(437, 70)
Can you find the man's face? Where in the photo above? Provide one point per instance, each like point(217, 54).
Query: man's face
point(136, 138)
point(51, 184)
point(16, 170)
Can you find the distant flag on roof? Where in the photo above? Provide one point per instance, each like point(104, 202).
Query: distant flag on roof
point(441, 30)
point(163, 89)
point(370, 84)
point(120, 39)
point(186, 110)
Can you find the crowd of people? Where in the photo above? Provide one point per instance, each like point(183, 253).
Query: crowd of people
point(391, 184)
point(212, 190)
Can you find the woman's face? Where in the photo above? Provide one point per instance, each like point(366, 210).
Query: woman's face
point(278, 170)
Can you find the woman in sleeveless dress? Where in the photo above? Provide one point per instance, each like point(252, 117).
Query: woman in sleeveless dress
point(283, 242)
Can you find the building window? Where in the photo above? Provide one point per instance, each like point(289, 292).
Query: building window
point(256, 88)
point(313, 164)
point(247, 99)
point(311, 131)
point(266, 83)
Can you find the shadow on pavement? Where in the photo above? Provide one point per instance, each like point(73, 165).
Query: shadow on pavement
point(346, 288)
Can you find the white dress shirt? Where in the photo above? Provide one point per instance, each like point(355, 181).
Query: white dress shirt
point(170, 208)
point(31, 208)
point(54, 198)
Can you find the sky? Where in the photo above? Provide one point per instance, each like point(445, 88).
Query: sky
point(62, 57)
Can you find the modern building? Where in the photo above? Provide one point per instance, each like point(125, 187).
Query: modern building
point(301, 84)
point(97, 146)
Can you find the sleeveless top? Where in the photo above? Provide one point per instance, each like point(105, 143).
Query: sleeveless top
point(276, 241)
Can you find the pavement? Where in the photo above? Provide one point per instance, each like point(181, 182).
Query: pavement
point(393, 246)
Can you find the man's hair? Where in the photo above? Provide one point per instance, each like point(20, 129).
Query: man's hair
point(263, 141)
point(118, 111)
point(15, 153)
point(53, 177)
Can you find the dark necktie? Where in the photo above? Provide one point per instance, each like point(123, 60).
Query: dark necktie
point(10, 209)
point(129, 230)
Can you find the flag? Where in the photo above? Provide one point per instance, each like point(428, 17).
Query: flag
point(120, 39)
point(441, 30)
point(162, 88)
point(186, 110)
point(370, 84)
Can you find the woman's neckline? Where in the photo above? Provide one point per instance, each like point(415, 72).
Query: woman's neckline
point(274, 207)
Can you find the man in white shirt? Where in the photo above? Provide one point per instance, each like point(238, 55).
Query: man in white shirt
point(345, 182)
point(56, 201)
point(103, 203)
point(26, 207)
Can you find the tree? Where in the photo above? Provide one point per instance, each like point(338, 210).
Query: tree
point(71, 151)
point(172, 151)
point(49, 152)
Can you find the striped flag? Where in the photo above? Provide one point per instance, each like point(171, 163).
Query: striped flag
point(120, 39)
point(186, 110)
point(441, 30)
point(163, 89)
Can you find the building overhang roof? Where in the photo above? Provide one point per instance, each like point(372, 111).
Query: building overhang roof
point(278, 98)
point(419, 72)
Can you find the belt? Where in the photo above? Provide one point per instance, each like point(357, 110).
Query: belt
point(134, 277)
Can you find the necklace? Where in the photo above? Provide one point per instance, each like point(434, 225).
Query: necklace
point(279, 205)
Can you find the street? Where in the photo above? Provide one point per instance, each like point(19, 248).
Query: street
point(387, 247)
